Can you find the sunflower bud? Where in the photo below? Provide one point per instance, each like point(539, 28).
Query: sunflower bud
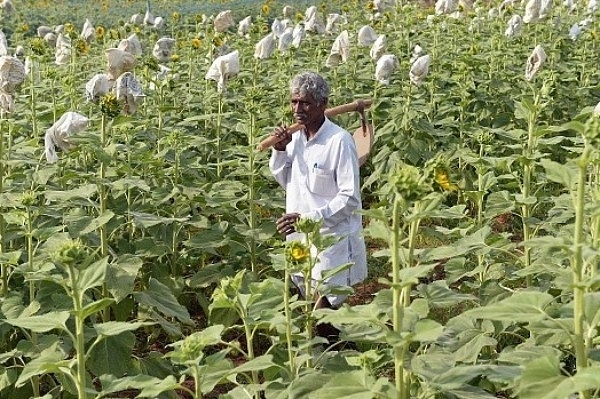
point(297, 252)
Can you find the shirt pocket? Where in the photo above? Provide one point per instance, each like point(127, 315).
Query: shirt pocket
point(322, 182)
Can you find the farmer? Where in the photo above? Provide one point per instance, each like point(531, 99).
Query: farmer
point(318, 168)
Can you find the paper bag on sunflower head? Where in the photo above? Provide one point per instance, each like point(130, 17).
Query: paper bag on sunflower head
point(333, 22)
point(514, 26)
point(419, 70)
point(50, 38)
point(97, 87)
point(70, 123)
point(88, 33)
point(378, 48)
point(12, 74)
point(285, 40)
point(223, 68)
point(386, 65)
point(132, 45)
point(298, 34)
point(163, 49)
point(223, 21)
point(287, 11)
point(3, 44)
point(136, 19)
point(159, 23)
point(244, 26)
point(366, 36)
point(7, 104)
point(43, 30)
point(129, 92)
point(265, 47)
point(535, 62)
point(62, 55)
point(119, 61)
point(339, 51)
point(7, 6)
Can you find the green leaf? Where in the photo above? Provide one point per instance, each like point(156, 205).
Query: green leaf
point(42, 323)
point(160, 297)
point(112, 355)
point(438, 294)
point(92, 276)
point(352, 385)
point(152, 387)
point(256, 364)
point(111, 328)
point(96, 223)
point(121, 275)
point(95, 307)
point(521, 307)
point(537, 376)
point(560, 173)
point(427, 330)
point(84, 191)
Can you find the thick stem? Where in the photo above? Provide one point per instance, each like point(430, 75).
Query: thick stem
point(3, 266)
point(79, 334)
point(288, 323)
point(578, 269)
point(251, 193)
point(398, 307)
point(102, 195)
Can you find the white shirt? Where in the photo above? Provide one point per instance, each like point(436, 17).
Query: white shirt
point(322, 181)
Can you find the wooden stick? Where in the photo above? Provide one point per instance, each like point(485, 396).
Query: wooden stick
point(357, 105)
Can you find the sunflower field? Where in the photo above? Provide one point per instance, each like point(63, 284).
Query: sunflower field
point(139, 256)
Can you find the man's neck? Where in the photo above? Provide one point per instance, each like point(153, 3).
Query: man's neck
point(312, 129)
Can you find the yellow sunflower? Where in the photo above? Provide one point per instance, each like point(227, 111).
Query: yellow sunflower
point(265, 9)
point(297, 252)
point(370, 6)
point(217, 41)
point(176, 16)
point(196, 43)
point(441, 178)
point(82, 46)
point(99, 32)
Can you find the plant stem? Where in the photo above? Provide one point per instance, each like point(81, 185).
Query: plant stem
point(578, 269)
point(398, 301)
point(79, 333)
point(102, 194)
point(3, 265)
point(288, 322)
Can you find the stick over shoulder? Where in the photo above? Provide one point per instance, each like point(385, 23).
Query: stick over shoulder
point(358, 105)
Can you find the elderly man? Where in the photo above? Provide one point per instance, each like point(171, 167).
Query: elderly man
point(319, 170)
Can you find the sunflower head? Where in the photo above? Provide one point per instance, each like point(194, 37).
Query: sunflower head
point(217, 41)
point(109, 105)
point(176, 16)
point(370, 5)
point(99, 32)
point(264, 10)
point(38, 45)
point(408, 183)
point(175, 57)
point(196, 43)
point(28, 199)
point(23, 28)
point(297, 252)
point(81, 46)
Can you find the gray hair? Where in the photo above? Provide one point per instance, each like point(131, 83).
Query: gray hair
point(310, 83)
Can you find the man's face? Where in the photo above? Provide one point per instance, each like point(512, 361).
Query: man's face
point(306, 111)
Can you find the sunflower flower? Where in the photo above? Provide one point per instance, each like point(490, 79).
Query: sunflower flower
point(109, 105)
point(264, 10)
point(81, 46)
point(297, 252)
point(100, 32)
point(441, 178)
point(196, 43)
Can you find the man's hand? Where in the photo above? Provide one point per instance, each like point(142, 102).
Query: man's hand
point(285, 224)
point(285, 136)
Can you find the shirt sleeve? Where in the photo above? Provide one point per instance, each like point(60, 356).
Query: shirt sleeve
point(280, 165)
point(347, 200)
